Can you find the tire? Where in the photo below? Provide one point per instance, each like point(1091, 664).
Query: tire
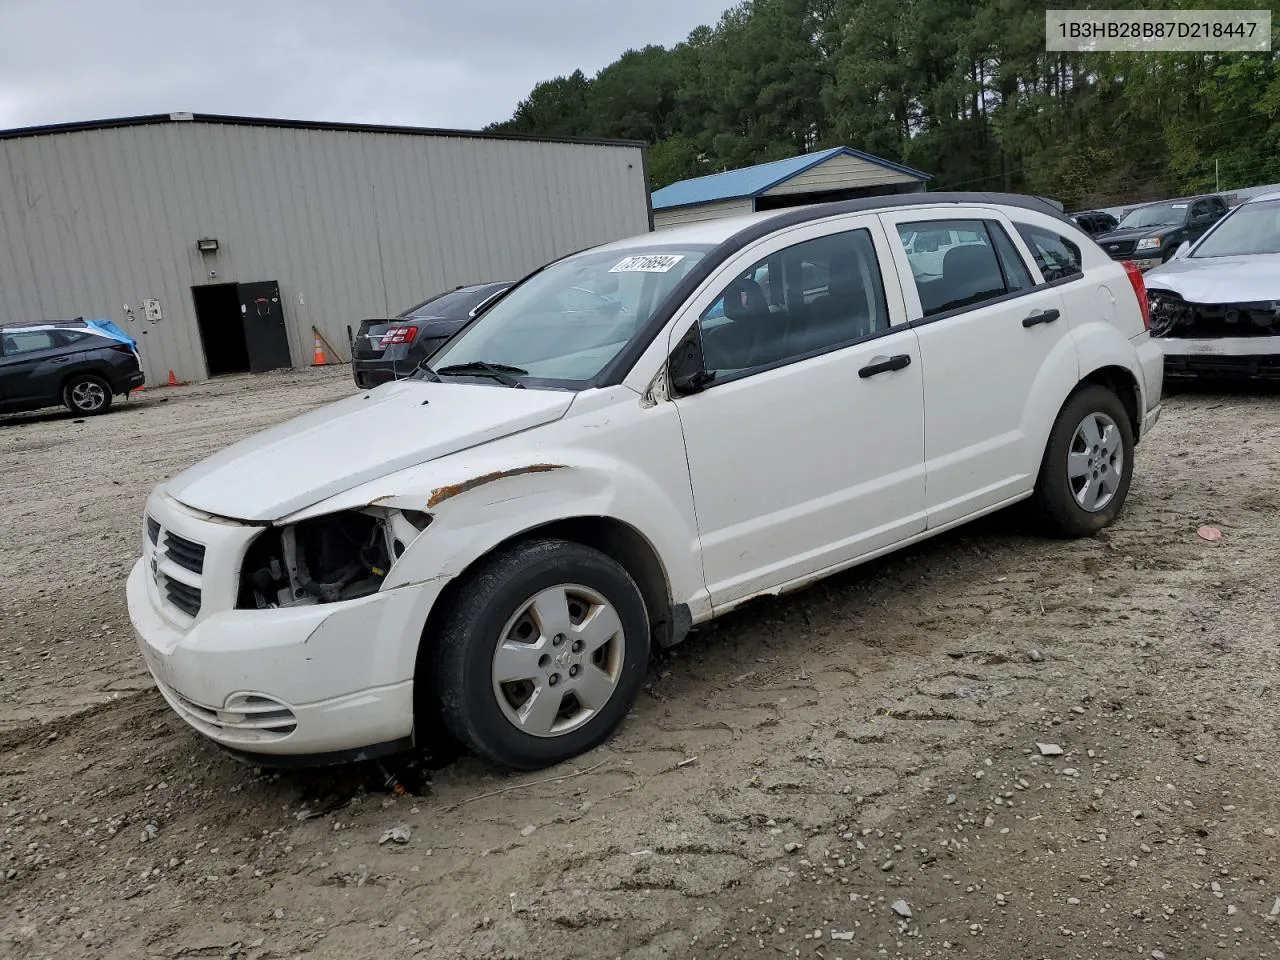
point(1067, 503)
point(485, 699)
point(87, 395)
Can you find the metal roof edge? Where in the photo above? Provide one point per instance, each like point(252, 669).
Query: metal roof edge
point(229, 120)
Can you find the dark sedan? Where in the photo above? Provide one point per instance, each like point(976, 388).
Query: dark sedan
point(386, 350)
point(80, 363)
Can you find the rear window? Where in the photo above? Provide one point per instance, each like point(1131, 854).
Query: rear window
point(455, 303)
point(957, 263)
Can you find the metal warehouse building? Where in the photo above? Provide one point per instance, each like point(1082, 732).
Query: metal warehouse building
point(839, 173)
point(219, 243)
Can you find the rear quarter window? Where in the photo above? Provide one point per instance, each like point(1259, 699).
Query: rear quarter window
point(1057, 257)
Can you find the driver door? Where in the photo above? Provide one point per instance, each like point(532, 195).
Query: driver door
point(806, 448)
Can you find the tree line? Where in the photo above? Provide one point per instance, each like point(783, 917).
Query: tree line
point(961, 89)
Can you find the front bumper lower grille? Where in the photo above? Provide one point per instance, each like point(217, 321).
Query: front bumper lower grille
point(247, 718)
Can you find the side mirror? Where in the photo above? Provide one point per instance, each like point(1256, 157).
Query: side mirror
point(1183, 249)
point(685, 368)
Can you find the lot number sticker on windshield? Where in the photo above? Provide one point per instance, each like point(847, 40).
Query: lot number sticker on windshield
point(653, 263)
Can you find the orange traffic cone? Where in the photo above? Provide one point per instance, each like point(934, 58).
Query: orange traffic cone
point(173, 380)
point(319, 359)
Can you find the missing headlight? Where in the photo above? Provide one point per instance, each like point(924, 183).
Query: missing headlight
point(339, 557)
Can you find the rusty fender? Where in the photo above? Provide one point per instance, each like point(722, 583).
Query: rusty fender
point(441, 494)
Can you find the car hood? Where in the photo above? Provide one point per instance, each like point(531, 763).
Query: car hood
point(1220, 279)
point(1132, 233)
point(341, 445)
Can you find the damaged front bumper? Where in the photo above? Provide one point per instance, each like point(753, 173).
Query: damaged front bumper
point(1230, 356)
point(323, 681)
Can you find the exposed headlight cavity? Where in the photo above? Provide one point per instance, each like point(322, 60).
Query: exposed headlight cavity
point(342, 556)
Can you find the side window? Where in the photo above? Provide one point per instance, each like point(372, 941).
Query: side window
point(1200, 210)
point(820, 294)
point(963, 274)
point(20, 341)
point(1016, 275)
point(1056, 256)
point(1219, 207)
point(64, 338)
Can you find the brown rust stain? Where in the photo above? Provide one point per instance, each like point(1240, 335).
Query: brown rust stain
point(441, 494)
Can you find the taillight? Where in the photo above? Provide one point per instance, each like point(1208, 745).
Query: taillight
point(399, 335)
point(121, 348)
point(1139, 291)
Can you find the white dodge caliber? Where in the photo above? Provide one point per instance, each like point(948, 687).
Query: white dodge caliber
point(633, 440)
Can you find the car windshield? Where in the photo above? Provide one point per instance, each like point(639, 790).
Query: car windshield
point(566, 322)
point(1157, 215)
point(1254, 228)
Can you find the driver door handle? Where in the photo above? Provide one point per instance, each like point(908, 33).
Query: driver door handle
point(1044, 316)
point(884, 365)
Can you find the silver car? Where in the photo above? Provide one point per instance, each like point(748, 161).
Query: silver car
point(1215, 307)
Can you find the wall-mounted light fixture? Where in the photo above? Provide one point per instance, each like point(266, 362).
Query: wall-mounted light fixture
point(207, 245)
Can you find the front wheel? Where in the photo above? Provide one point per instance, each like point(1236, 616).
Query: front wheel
point(1088, 464)
point(87, 394)
point(542, 654)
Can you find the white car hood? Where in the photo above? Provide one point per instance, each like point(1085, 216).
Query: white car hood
point(341, 445)
point(1220, 279)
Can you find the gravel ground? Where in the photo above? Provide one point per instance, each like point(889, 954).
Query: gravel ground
point(990, 746)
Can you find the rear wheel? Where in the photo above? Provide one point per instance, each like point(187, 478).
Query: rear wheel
point(542, 654)
point(1088, 464)
point(87, 394)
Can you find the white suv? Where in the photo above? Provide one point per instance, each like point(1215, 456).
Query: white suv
point(492, 547)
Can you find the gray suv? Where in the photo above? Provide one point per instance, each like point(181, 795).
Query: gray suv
point(79, 363)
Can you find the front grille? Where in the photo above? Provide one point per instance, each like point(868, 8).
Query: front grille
point(1119, 249)
point(183, 596)
point(153, 529)
point(185, 553)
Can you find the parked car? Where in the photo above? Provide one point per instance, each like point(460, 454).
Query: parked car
point(1094, 222)
point(1149, 235)
point(603, 459)
point(386, 350)
point(1215, 307)
point(79, 363)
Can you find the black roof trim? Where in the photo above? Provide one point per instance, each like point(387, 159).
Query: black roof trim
point(618, 368)
point(159, 118)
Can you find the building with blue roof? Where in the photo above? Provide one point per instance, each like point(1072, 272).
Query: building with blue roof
point(838, 173)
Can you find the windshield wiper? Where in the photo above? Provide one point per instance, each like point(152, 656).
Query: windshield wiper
point(502, 372)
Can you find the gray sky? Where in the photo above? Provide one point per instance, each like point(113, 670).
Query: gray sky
point(440, 63)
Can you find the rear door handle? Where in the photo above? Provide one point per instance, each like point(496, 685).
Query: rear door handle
point(1044, 316)
point(884, 365)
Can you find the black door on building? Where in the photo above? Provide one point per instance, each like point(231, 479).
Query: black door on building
point(264, 330)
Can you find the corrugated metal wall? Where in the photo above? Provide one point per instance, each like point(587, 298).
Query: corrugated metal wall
point(351, 224)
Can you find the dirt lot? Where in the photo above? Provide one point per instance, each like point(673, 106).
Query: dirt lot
point(789, 775)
